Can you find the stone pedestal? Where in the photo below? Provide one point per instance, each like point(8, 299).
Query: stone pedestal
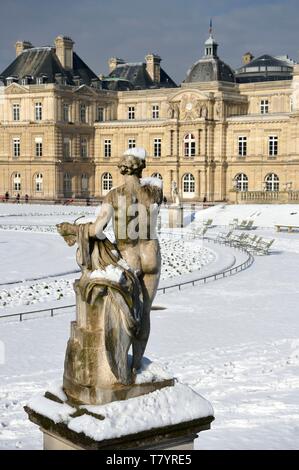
point(175, 216)
point(168, 419)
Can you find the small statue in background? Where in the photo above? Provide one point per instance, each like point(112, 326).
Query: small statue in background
point(175, 194)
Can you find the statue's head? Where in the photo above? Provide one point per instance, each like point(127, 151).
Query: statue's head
point(133, 162)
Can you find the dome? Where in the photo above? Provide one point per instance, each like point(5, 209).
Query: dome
point(264, 68)
point(210, 69)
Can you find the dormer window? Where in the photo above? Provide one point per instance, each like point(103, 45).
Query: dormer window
point(77, 80)
point(11, 80)
point(41, 80)
point(95, 83)
point(60, 79)
point(26, 80)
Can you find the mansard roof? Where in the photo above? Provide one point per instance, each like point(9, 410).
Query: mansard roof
point(42, 61)
point(137, 75)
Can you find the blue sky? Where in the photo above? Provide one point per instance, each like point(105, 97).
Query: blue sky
point(174, 29)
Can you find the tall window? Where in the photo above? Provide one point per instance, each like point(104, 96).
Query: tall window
point(241, 182)
point(188, 183)
point(157, 175)
point(16, 147)
point(107, 148)
point(38, 111)
point(155, 111)
point(17, 182)
point(106, 182)
point(38, 146)
point(242, 146)
point(131, 143)
point(272, 182)
point(83, 147)
point(273, 145)
point(189, 145)
point(100, 114)
point(84, 182)
point(66, 147)
point(66, 112)
point(38, 182)
point(16, 112)
point(67, 182)
point(131, 112)
point(157, 147)
point(82, 113)
point(264, 107)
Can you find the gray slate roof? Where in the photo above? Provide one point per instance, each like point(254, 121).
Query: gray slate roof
point(210, 69)
point(264, 68)
point(40, 61)
point(137, 75)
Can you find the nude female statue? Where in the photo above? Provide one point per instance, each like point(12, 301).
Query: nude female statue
point(116, 313)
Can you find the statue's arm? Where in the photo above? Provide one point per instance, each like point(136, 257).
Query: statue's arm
point(68, 231)
point(96, 229)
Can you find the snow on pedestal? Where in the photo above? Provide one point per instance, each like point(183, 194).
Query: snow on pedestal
point(167, 419)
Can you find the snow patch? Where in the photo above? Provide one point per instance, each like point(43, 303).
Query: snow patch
point(111, 273)
point(138, 152)
point(151, 181)
point(57, 412)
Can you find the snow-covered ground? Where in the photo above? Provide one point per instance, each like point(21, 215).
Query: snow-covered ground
point(236, 341)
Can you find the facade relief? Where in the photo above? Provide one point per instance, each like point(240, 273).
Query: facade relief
point(188, 107)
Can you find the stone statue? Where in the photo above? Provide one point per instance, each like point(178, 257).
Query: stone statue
point(175, 194)
point(116, 289)
point(173, 110)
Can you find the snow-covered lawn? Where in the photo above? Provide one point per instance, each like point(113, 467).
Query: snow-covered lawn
point(235, 341)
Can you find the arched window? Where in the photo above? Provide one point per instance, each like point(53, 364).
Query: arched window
point(157, 175)
point(241, 181)
point(188, 185)
point(67, 182)
point(38, 183)
point(16, 182)
point(272, 182)
point(189, 145)
point(106, 183)
point(84, 182)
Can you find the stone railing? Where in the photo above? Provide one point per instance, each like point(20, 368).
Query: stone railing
point(267, 197)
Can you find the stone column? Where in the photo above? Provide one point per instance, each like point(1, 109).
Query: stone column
point(199, 184)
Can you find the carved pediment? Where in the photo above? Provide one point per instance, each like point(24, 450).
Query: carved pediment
point(188, 105)
point(86, 90)
point(16, 89)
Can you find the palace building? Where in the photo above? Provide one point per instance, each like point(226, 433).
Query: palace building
point(221, 135)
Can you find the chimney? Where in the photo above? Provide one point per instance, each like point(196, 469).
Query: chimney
point(64, 51)
point(153, 67)
point(248, 57)
point(113, 62)
point(22, 46)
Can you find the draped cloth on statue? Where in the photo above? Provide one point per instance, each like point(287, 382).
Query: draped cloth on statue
point(123, 300)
